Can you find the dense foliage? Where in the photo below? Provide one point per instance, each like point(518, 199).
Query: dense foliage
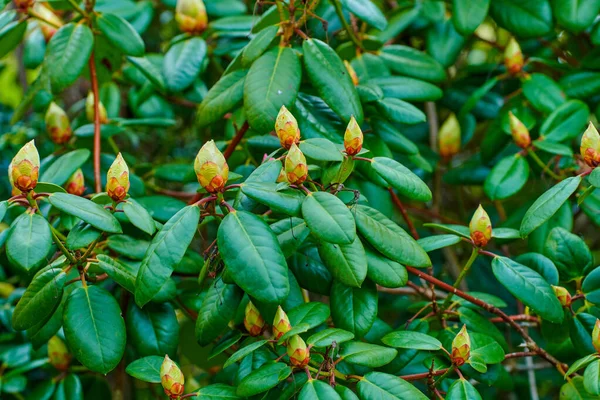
point(331, 199)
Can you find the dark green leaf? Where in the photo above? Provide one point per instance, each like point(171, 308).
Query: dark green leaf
point(377, 385)
point(507, 177)
point(146, 369)
point(217, 309)
point(401, 178)
point(121, 34)
point(182, 63)
point(87, 210)
point(354, 309)
point(29, 241)
point(67, 54)
point(328, 218)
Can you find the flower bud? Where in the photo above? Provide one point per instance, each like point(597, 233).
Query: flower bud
point(57, 124)
point(23, 5)
point(211, 168)
point(461, 347)
point(191, 16)
point(563, 295)
point(282, 176)
point(351, 72)
point(596, 336)
point(286, 128)
point(48, 30)
point(253, 321)
point(298, 352)
point(480, 227)
point(281, 323)
point(171, 378)
point(89, 109)
point(513, 57)
point(117, 179)
point(76, 183)
point(449, 137)
point(296, 168)
point(590, 146)
point(25, 168)
point(353, 138)
point(58, 354)
point(14, 191)
point(519, 131)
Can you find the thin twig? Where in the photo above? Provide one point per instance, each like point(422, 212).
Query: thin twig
point(97, 138)
point(398, 203)
point(236, 140)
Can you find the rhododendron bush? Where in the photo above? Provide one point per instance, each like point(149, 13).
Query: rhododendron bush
point(313, 199)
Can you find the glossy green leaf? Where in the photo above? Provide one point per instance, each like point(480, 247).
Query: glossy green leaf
point(328, 336)
point(569, 253)
point(139, 216)
point(217, 309)
point(367, 354)
point(444, 42)
point(591, 378)
point(384, 271)
point(436, 242)
point(258, 45)
point(61, 170)
point(354, 309)
point(82, 235)
point(346, 262)
point(263, 379)
point(328, 218)
point(29, 241)
point(581, 363)
point(121, 34)
point(377, 385)
point(366, 11)
point(243, 352)
point(507, 177)
point(405, 88)
point(279, 198)
point(407, 61)
point(67, 54)
point(400, 111)
point(575, 15)
point(462, 389)
point(318, 390)
point(11, 35)
point(540, 264)
point(401, 178)
point(222, 97)
point(153, 330)
point(574, 390)
point(411, 340)
point(69, 388)
point(182, 63)
point(591, 286)
point(312, 314)
point(553, 148)
point(218, 391)
point(320, 150)
point(543, 93)
point(525, 19)
point(467, 15)
point(566, 121)
point(146, 369)
point(87, 210)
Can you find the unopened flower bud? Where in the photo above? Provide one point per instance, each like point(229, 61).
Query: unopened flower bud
point(298, 352)
point(48, 30)
point(14, 191)
point(480, 227)
point(282, 176)
point(253, 321)
point(281, 323)
point(590, 146)
point(89, 109)
point(117, 179)
point(57, 124)
point(353, 138)
point(211, 168)
point(76, 183)
point(296, 168)
point(596, 336)
point(513, 57)
point(563, 295)
point(519, 131)
point(351, 72)
point(286, 128)
point(449, 137)
point(25, 168)
point(23, 5)
point(191, 16)
point(171, 378)
point(58, 354)
point(461, 347)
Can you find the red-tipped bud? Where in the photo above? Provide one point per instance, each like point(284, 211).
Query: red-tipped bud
point(298, 352)
point(211, 168)
point(596, 336)
point(76, 183)
point(513, 57)
point(449, 137)
point(253, 321)
point(563, 295)
point(351, 72)
point(191, 16)
point(296, 168)
point(519, 131)
point(117, 179)
point(590, 146)
point(90, 110)
point(25, 168)
point(461, 347)
point(286, 128)
point(480, 227)
point(58, 354)
point(281, 323)
point(57, 124)
point(171, 378)
point(353, 138)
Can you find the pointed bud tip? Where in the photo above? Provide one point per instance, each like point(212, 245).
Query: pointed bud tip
point(211, 168)
point(296, 168)
point(286, 128)
point(480, 227)
point(353, 138)
point(449, 137)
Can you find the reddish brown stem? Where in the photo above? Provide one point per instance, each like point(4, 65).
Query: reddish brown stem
point(398, 203)
point(236, 140)
point(520, 354)
point(424, 375)
point(520, 317)
point(97, 138)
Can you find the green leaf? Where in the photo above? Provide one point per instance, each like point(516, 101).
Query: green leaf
point(262, 271)
point(548, 204)
point(149, 70)
point(328, 218)
point(507, 177)
point(217, 391)
point(243, 352)
point(330, 78)
point(367, 354)
point(146, 369)
point(569, 253)
point(266, 172)
point(591, 286)
point(581, 363)
point(459, 230)
point(3, 208)
point(320, 150)
point(377, 385)
point(462, 389)
point(399, 111)
point(279, 198)
point(408, 89)
point(543, 93)
point(312, 314)
point(263, 379)
point(326, 337)
point(591, 378)
point(580, 85)
point(94, 328)
point(436, 242)
point(318, 390)
point(29, 241)
point(223, 97)
point(122, 273)
point(11, 35)
point(354, 309)
point(44, 329)
point(346, 262)
point(258, 45)
point(384, 271)
point(525, 19)
point(165, 252)
point(61, 170)
point(576, 15)
point(407, 61)
point(41, 298)
point(87, 210)
point(388, 238)
point(153, 330)
point(553, 148)
point(529, 287)
point(444, 42)
point(566, 121)
point(82, 235)
point(411, 340)
point(581, 326)
point(272, 81)
point(366, 11)
point(139, 216)
point(217, 309)
point(485, 349)
point(401, 178)
point(121, 34)
point(69, 388)
point(67, 54)
point(183, 62)
point(540, 264)
point(226, 341)
point(467, 15)
point(574, 390)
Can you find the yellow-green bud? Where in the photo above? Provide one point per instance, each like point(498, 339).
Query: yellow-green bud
point(58, 354)
point(296, 168)
point(563, 295)
point(298, 352)
point(449, 137)
point(57, 124)
point(14, 190)
point(513, 57)
point(171, 378)
point(519, 131)
point(89, 109)
point(596, 336)
point(25, 168)
point(461, 347)
point(282, 176)
point(48, 30)
point(353, 138)
point(286, 128)
point(253, 321)
point(351, 72)
point(590, 146)
point(281, 323)
point(211, 168)
point(480, 227)
point(191, 16)
point(117, 179)
point(76, 183)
